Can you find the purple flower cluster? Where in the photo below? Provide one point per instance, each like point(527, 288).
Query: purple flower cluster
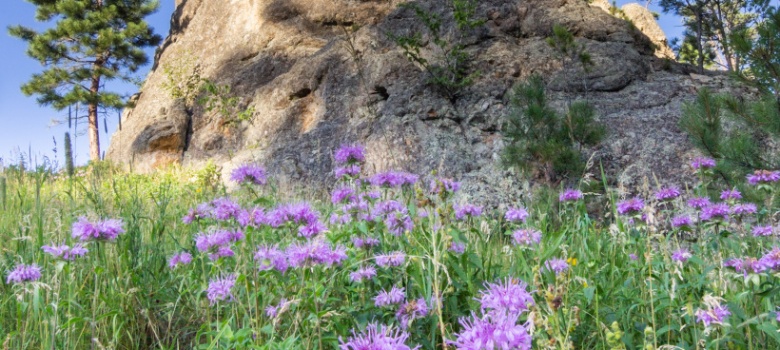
point(747, 265)
point(713, 312)
point(682, 221)
point(347, 171)
point(630, 206)
point(274, 311)
point(65, 252)
point(763, 177)
point(467, 210)
point(182, 258)
point(24, 273)
point(699, 202)
point(497, 328)
point(350, 154)
point(225, 209)
point(714, 212)
point(516, 214)
point(396, 258)
point(106, 230)
point(667, 193)
point(527, 237)
point(395, 216)
point(744, 209)
point(343, 194)
point(772, 258)
point(491, 331)
point(508, 296)
point(556, 265)
point(762, 231)
point(249, 174)
point(411, 310)
point(202, 211)
point(570, 195)
point(457, 247)
point(363, 273)
point(730, 194)
point(681, 255)
point(220, 289)
point(702, 163)
point(444, 185)
point(218, 244)
point(394, 179)
point(394, 296)
point(376, 338)
point(315, 252)
point(270, 257)
point(364, 243)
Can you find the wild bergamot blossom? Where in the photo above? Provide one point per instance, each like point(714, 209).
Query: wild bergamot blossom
point(249, 174)
point(66, 252)
point(24, 273)
point(377, 338)
point(106, 230)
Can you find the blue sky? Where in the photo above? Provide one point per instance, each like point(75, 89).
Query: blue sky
point(25, 126)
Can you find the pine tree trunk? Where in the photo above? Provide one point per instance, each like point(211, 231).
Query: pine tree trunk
point(94, 130)
point(699, 44)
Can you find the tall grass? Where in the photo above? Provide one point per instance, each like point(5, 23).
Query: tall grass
point(621, 288)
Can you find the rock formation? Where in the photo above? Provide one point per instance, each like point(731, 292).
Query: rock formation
point(319, 73)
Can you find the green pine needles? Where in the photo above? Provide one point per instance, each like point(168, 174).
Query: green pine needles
point(538, 137)
point(91, 42)
point(69, 168)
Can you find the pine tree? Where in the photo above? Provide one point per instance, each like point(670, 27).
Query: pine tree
point(92, 41)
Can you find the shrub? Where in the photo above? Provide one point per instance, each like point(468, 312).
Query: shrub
point(540, 137)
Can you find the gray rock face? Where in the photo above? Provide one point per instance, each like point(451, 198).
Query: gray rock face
point(320, 73)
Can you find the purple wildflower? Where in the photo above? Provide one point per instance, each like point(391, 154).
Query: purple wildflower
point(376, 338)
point(394, 296)
point(411, 310)
point(393, 179)
point(365, 243)
point(667, 193)
point(182, 258)
point(280, 308)
point(270, 257)
point(65, 252)
point(681, 255)
point(702, 163)
point(24, 273)
point(342, 194)
point(744, 209)
point(202, 211)
point(630, 206)
point(446, 185)
point(570, 195)
point(516, 215)
point(772, 259)
point(682, 221)
point(467, 210)
point(249, 174)
point(730, 194)
point(762, 231)
point(763, 177)
point(220, 289)
point(106, 230)
point(396, 258)
point(747, 265)
point(217, 244)
point(713, 312)
point(363, 273)
point(699, 202)
point(633, 257)
point(526, 237)
point(347, 171)
point(457, 247)
point(556, 265)
point(312, 229)
point(492, 331)
point(224, 209)
point(315, 252)
point(350, 154)
point(508, 296)
point(718, 211)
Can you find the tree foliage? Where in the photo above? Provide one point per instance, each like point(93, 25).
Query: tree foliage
point(91, 42)
point(538, 137)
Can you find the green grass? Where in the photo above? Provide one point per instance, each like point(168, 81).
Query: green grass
point(123, 295)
